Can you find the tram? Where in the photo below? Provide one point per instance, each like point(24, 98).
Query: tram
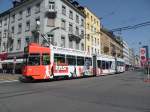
point(53, 62)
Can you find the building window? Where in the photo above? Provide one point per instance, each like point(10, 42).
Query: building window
point(92, 39)
point(20, 15)
point(12, 29)
point(50, 38)
point(77, 19)
point(77, 45)
point(19, 28)
point(63, 24)
point(62, 42)
point(50, 22)
point(92, 50)
point(82, 47)
point(98, 52)
point(51, 6)
point(0, 34)
point(88, 26)
point(28, 11)
point(70, 28)
point(63, 10)
point(95, 41)
point(77, 31)
point(37, 8)
point(71, 44)
point(87, 15)
point(27, 25)
point(92, 28)
point(18, 44)
point(70, 14)
point(38, 23)
point(4, 47)
point(0, 23)
point(88, 49)
point(92, 18)
point(82, 34)
point(95, 30)
point(5, 34)
point(5, 21)
point(94, 21)
point(82, 22)
point(88, 37)
point(11, 45)
point(95, 51)
point(13, 18)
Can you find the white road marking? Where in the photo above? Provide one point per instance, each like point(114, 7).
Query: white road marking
point(7, 81)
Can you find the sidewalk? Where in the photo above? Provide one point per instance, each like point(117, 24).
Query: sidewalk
point(9, 77)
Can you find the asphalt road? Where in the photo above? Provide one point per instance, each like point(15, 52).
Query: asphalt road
point(125, 92)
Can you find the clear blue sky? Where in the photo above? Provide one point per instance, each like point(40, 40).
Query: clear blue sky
point(116, 14)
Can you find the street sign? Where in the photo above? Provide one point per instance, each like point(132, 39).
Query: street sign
point(143, 55)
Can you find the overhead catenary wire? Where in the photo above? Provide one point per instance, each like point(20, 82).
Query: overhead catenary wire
point(131, 27)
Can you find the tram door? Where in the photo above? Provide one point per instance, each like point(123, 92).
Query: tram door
point(94, 65)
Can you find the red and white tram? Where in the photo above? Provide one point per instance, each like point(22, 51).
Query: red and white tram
point(49, 63)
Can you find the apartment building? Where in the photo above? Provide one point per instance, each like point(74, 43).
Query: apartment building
point(28, 20)
point(126, 54)
point(132, 57)
point(110, 44)
point(92, 29)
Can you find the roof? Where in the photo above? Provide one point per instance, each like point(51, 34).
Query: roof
point(112, 36)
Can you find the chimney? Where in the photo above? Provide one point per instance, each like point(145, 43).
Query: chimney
point(16, 2)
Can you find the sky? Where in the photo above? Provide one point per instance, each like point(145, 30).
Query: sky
point(116, 14)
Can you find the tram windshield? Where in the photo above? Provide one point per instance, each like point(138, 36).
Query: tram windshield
point(32, 59)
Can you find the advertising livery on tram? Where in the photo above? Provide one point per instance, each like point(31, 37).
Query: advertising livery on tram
point(52, 62)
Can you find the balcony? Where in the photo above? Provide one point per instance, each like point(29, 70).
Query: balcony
point(51, 14)
point(74, 37)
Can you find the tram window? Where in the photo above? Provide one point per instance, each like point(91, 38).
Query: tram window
point(45, 59)
point(118, 63)
point(99, 62)
point(107, 65)
point(71, 60)
point(122, 63)
point(88, 61)
point(110, 64)
point(80, 61)
point(103, 65)
point(59, 58)
point(34, 59)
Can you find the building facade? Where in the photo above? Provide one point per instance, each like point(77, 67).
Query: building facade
point(92, 29)
point(132, 57)
point(110, 44)
point(28, 20)
point(126, 55)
